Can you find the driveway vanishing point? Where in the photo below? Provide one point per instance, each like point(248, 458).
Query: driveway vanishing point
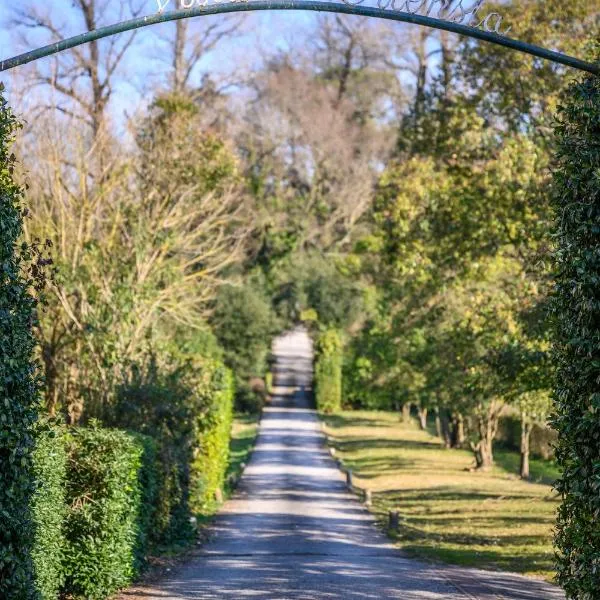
point(294, 532)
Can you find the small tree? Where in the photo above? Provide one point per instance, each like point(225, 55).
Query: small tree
point(534, 408)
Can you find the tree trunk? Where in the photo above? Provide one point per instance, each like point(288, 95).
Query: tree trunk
point(438, 423)
point(526, 428)
point(457, 438)
point(487, 425)
point(423, 418)
point(446, 433)
point(406, 412)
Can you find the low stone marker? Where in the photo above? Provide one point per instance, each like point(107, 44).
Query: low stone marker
point(368, 497)
point(332, 452)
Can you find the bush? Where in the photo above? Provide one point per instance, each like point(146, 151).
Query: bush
point(110, 499)
point(328, 372)
point(19, 385)
point(48, 511)
point(211, 454)
point(244, 323)
point(156, 401)
point(186, 404)
point(576, 307)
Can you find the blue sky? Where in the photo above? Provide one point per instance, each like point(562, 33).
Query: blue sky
point(143, 69)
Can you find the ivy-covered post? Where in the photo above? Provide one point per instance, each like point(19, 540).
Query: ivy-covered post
point(576, 306)
point(18, 383)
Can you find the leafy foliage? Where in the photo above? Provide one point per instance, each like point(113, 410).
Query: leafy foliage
point(185, 403)
point(19, 385)
point(576, 306)
point(244, 323)
point(49, 511)
point(110, 509)
point(211, 455)
point(328, 371)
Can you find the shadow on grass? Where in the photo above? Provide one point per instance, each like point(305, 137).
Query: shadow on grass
point(535, 561)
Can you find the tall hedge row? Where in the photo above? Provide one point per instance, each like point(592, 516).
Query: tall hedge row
point(212, 450)
point(48, 511)
point(328, 371)
point(19, 387)
point(577, 345)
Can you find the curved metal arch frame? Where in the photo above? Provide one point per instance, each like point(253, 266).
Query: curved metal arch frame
point(310, 5)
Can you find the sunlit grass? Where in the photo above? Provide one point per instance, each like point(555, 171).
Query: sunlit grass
point(243, 436)
point(489, 520)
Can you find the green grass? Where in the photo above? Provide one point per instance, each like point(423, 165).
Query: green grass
point(243, 436)
point(448, 513)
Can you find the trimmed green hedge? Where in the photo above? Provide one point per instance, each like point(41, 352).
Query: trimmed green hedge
point(328, 372)
point(111, 498)
point(49, 510)
point(216, 393)
point(19, 386)
point(576, 307)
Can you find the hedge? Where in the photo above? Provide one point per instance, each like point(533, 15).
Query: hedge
point(576, 309)
point(111, 497)
point(48, 511)
point(215, 393)
point(328, 372)
point(185, 403)
point(19, 386)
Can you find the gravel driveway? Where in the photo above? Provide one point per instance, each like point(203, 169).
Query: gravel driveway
point(292, 531)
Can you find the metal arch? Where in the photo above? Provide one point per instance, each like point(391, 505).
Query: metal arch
point(332, 7)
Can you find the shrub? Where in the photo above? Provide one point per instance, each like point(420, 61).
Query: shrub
point(185, 402)
point(576, 307)
point(19, 385)
point(155, 400)
point(211, 454)
point(48, 511)
point(110, 498)
point(244, 323)
point(328, 372)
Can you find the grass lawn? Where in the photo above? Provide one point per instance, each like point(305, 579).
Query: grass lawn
point(243, 436)
point(488, 520)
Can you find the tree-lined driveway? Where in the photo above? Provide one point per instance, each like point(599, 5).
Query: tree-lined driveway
point(292, 531)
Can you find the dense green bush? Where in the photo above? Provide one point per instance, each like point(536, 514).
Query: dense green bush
point(110, 499)
point(211, 453)
point(577, 344)
point(156, 400)
point(48, 511)
point(184, 402)
point(328, 371)
point(19, 386)
point(244, 323)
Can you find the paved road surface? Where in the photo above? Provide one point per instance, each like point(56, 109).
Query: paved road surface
point(293, 532)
